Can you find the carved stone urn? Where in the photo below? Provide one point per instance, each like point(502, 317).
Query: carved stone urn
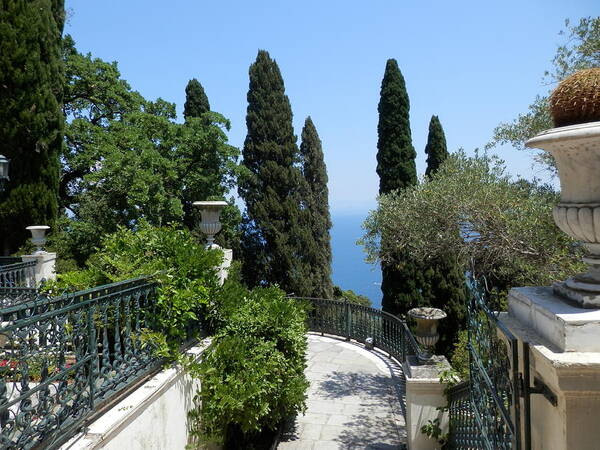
point(426, 333)
point(576, 149)
point(38, 236)
point(210, 224)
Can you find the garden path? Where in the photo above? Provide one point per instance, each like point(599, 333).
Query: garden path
point(355, 399)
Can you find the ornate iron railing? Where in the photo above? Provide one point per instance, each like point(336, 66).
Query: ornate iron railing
point(18, 275)
point(64, 358)
point(485, 410)
point(5, 260)
point(358, 322)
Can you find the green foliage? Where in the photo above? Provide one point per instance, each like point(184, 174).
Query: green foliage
point(435, 149)
point(351, 296)
point(395, 153)
point(184, 270)
point(252, 375)
point(433, 430)
point(274, 237)
point(443, 284)
point(460, 355)
point(507, 231)
point(580, 50)
point(196, 101)
point(126, 158)
point(316, 210)
point(397, 170)
point(31, 121)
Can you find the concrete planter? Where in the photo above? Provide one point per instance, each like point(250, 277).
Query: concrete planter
point(576, 149)
point(210, 224)
point(426, 333)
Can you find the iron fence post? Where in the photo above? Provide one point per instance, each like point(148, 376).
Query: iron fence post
point(348, 323)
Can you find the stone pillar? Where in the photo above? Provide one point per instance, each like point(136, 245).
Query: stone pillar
point(563, 345)
point(424, 394)
point(224, 267)
point(45, 268)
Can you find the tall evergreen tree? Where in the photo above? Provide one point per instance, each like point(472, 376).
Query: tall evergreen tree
point(395, 153)
point(196, 101)
point(397, 170)
point(436, 146)
point(273, 240)
point(31, 118)
point(316, 203)
point(443, 278)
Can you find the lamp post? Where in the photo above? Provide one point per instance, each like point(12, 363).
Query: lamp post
point(4, 165)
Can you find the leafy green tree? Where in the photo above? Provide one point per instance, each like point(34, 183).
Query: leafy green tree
point(196, 101)
point(273, 239)
point(443, 279)
point(316, 208)
point(351, 296)
point(397, 170)
point(31, 120)
point(580, 50)
point(507, 234)
point(127, 159)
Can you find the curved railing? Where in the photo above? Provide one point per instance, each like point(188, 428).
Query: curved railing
point(63, 359)
point(358, 322)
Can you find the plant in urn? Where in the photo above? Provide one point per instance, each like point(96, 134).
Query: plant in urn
point(426, 333)
point(575, 146)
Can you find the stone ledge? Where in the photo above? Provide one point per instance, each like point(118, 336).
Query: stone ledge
point(99, 433)
point(565, 327)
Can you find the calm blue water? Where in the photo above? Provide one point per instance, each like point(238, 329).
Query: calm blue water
point(350, 271)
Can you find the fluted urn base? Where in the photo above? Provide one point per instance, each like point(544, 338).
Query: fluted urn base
point(582, 289)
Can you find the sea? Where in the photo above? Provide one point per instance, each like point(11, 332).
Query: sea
point(350, 270)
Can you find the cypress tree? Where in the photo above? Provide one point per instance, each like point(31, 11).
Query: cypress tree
point(395, 153)
point(31, 117)
point(397, 170)
point(196, 101)
point(436, 146)
point(316, 203)
point(443, 279)
point(273, 239)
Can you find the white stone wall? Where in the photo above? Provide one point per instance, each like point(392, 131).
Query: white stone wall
point(154, 416)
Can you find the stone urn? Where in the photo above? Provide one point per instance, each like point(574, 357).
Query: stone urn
point(38, 236)
point(210, 224)
point(576, 149)
point(427, 320)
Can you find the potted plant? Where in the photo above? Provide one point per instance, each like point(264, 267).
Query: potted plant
point(575, 146)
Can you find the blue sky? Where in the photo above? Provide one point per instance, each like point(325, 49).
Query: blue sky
point(474, 64)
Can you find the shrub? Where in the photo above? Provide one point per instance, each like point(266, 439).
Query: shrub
point(252, 375)
point(184, 270)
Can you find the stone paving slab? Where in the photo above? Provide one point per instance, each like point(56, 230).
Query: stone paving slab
point(354, 401)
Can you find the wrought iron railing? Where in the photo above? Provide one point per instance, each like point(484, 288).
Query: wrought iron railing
point(358, 322)
point(464, 433)
point(18, 275)
point(484, 411)
point(63, 359)
point(5, 260)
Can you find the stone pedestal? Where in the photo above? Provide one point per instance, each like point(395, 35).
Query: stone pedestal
point(424, 394)
point(225, 265)
point(45, 268)
point(564, 354)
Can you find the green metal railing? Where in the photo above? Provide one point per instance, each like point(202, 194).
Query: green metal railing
point(18, 275)
point(63, 359)
point(5, 260)
point(484, 410)
point(358, 322)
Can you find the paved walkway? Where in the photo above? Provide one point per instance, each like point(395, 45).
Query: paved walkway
point(354, 401)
